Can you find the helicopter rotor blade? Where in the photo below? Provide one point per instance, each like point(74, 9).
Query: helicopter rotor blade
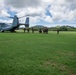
point(24, 16)
point(9, 17)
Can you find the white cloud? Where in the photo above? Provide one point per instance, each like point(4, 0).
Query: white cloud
point(64, 10)
point(23, 4)
point(72, 15)
point(4, 12)
point(59, 9)
point(6, 21)
point(48, 19)
point(1, 5)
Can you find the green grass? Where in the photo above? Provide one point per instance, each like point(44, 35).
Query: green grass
point(38, 54)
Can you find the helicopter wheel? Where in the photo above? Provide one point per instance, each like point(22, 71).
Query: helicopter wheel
point(2, 30)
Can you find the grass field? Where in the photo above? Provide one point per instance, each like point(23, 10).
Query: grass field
point(38, 54)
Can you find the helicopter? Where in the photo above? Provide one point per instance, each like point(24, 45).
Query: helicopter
point(14, 25)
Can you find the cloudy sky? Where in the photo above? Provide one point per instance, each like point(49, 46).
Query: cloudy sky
point(42, 12)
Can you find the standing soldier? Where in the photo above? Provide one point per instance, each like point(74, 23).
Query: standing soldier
point(57, 31)
point(28, 30)
point(32, 30)
point(40, 30)
point(24, 30)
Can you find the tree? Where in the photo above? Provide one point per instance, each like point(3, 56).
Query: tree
point(63, 28)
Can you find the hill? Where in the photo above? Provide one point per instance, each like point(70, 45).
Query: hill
point(38, 26)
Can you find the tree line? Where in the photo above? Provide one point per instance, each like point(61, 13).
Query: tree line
point(60, 28)
point(63, 28)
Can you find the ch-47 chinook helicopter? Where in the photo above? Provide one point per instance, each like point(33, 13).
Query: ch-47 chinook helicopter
point(15, 24)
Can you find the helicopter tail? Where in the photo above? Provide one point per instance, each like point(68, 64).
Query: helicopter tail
point(27, 22)
point(15, 21)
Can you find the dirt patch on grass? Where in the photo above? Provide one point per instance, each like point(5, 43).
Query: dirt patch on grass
point(55, 65)
point(49, 63)
point(66, 53)
point(64, 68)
